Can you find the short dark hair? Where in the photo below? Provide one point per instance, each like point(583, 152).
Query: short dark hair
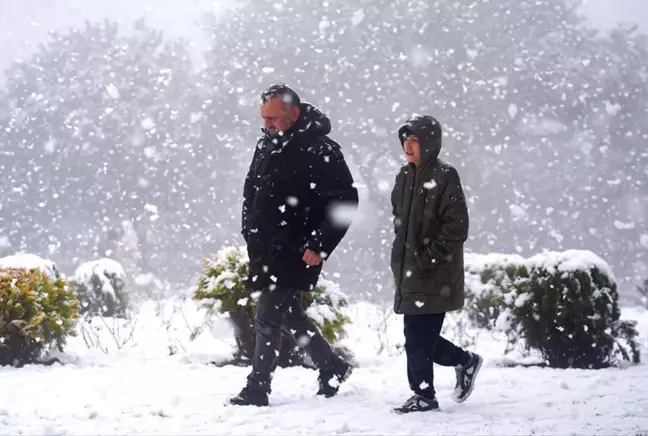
point(287, 94)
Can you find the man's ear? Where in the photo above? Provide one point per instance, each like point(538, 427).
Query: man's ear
point(295, 113)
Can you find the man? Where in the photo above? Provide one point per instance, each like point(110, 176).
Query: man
point(296, 188)
point(431, 226)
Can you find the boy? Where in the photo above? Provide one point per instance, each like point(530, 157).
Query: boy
point(430, 226)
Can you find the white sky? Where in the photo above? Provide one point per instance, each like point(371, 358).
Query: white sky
point(25, 23)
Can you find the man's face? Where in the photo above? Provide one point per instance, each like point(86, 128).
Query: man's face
point(278, 116)
point(412, 150)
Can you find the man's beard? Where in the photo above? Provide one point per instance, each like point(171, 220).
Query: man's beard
point(276, 133)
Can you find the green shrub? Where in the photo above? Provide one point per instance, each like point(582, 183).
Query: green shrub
point(100, 288)
point(564, 305)
point(222, 289)
point(489, 280)
point(36, 314)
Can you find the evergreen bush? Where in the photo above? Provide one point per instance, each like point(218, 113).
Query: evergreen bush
point(100, 288)
point(222, 289)
point(489, 280)
point(37, 313)
point(562, 304)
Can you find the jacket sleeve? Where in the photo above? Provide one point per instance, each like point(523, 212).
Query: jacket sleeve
point(453, 213)
point(334, 187)
point(249, 189)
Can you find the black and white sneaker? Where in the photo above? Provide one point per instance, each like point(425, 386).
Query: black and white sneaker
point(466, 376)
point(418, 403)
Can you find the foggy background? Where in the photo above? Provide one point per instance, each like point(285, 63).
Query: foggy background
point(133, 138)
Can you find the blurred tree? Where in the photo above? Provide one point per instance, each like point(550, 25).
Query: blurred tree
point(98, 133)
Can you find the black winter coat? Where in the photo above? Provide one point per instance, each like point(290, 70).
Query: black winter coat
point(297, 194)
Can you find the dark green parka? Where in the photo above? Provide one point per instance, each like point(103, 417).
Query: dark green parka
point(430, 226)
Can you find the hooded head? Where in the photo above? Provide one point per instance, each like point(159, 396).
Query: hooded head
point(284, 114)
point(427, 131)
point(312, 121)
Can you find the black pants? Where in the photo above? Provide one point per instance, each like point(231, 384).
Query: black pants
point(277, 308)
point(424, 347)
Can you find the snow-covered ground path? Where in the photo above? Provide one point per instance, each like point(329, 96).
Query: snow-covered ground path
point(159, 398)
point(141, 390)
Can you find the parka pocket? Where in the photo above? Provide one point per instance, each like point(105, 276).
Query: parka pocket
point(419, 285)
point(439, 274)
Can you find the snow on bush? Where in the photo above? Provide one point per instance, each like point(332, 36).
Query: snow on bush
point(222, 290)
point(562, 304)
point(31, 261)
point(100, 287)
point(323, 307)
point(488, 280)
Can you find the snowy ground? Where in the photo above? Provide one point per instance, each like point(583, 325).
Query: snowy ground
point(141, 389)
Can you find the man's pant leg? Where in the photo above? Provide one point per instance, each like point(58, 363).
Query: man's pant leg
point(421, 337)
point(271, 309)
point(306, 334)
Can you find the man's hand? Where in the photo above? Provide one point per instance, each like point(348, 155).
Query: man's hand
point(311, 258)
point(424, 261)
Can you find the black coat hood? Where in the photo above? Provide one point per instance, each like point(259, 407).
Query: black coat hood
point(311, 123)
point(428, 131)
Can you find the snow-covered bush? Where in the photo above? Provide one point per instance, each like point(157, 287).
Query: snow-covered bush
point(222, 289)
point(643, 292)
point(31, 261)
point(100, 287)
point(488, 279)
point(570, 312)
point(563, 304)
point(37, 313)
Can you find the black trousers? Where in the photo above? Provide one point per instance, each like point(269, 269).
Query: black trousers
point(276, 308)
point(424, 347)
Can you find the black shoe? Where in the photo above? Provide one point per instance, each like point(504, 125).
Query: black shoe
point(330, 379)
point(250, 397)
point(466, 376)
point(418, 403)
